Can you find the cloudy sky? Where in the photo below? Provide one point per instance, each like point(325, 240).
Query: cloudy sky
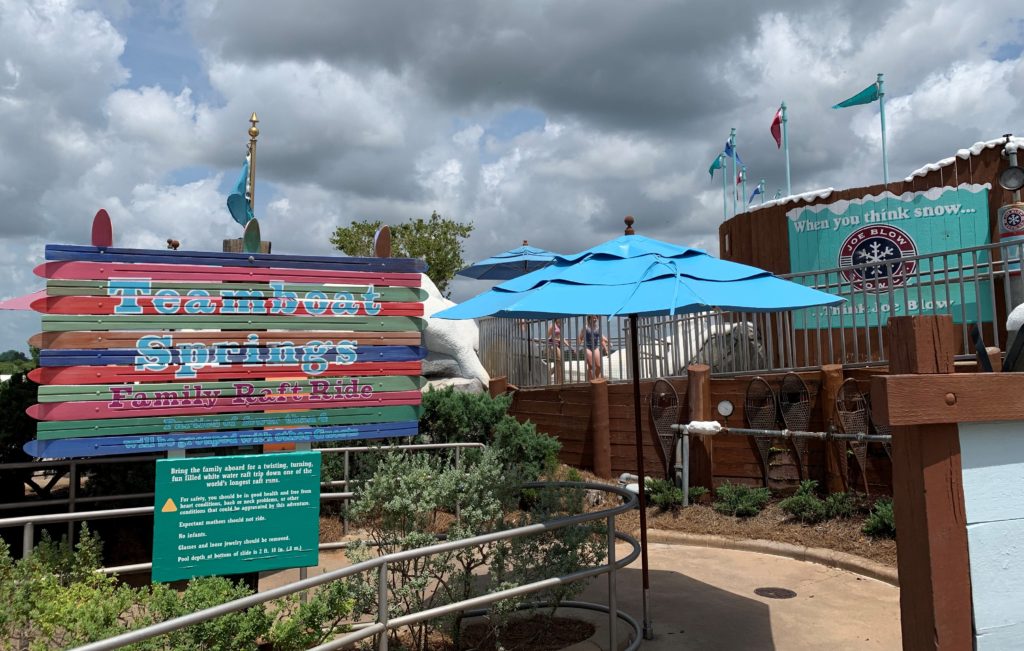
point(546, 121)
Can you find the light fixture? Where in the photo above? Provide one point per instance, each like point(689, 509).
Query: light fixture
point(1012, 178)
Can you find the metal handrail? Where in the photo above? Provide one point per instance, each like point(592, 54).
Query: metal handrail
point(380, 564)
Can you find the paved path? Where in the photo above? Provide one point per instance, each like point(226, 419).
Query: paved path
point(703, 599)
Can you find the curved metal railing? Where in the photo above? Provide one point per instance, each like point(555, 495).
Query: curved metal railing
point(383, 623)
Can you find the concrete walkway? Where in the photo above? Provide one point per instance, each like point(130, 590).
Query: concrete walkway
point(703, 598)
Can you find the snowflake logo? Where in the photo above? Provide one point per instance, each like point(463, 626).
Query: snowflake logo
point(1012, 220)
point(873, 258)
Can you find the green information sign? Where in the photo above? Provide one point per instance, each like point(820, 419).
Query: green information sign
point(883, 248)
point(235, 514)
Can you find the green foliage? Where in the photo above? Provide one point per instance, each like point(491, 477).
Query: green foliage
point(305, 625)
point(457, 416)
point(664, 494)
point(881, 522)
point(524, 451)
point(805, 506)
point(239, 630)
point(697, 493)
point(740, 500)
point(16, 428)
point(437, 240)
point(15, 361)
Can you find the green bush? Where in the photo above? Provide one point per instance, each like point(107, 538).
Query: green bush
point(739, 500)
point(455, 416)
point(239, 630)
point(806, 507)
point(16, 428)
point(525, 451)
point(881, 523)
point(664, 494)
point(697, 493)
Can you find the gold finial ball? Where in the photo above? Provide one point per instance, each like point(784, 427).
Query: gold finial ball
point(253, 132)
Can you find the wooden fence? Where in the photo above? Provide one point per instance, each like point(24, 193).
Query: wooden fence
point(575, 416)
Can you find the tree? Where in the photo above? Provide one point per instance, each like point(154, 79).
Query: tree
point(437, 240)
point(15, 361)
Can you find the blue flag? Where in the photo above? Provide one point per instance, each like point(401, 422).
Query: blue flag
point(730, 152)
point(238, 203)
point(757, 191)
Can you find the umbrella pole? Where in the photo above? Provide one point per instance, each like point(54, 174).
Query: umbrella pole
point(635, 347)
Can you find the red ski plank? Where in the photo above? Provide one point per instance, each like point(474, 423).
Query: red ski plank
point(99, 339)
point(102, 230)
point(103, 374)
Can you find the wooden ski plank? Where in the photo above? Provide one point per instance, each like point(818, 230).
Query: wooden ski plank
point(154, 425)
point(110, 374)
point(99, 409)
point(67, 252)
point(390, 294)
point(137, 444)
point(101, 339)
point(65, 322)
point(206, 273)
point(102, 229)
point(74, 392)
point(235, 355)
point(218, 306)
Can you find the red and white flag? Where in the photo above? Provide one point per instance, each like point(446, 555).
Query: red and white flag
point(777, 127)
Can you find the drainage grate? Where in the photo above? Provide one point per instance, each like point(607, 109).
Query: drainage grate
point(775, 593)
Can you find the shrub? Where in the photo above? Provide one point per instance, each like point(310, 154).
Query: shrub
point(525, 451)
point(881, 522)
point(664, 494)
point(739, 500)
point(697, 493)
point(16, 428)
point(456, 416)
point(804, 505)
point(239, 630)
point(840, 505)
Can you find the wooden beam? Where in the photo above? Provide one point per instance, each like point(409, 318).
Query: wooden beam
point(953, 398)
point(836, 468)
point(702, 453)
point(928, 499)
point(599, 427)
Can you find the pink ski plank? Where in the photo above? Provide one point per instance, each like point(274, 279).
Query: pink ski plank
point(106, 304)
point(93, 409)
point(107, 270)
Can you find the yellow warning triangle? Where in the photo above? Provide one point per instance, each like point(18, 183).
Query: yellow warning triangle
point(169, 506)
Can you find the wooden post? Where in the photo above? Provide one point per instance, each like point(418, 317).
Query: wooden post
point(601, 428)
point(702, 457)
point(498, 386)
point(836, 463)
point(928, 500)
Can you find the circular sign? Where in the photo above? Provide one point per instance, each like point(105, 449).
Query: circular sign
point(1012, 178)
point(1011, 219)
point(873, 258)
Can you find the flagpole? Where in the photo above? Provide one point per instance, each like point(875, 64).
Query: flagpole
point(725, 196)
point(743, 181)
point(732, 142)
point(881, 113)
point(785, 147)
point(254, 132)
point(761, 187)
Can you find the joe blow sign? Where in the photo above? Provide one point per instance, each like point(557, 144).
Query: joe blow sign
point(147, 350)
point(879, 253)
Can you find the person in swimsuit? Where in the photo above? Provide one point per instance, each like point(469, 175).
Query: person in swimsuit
point(555, 343)
point(595, 345)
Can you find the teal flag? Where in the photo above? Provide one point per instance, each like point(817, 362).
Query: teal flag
point(238, 204)
point(866, 96)
point(717, 165)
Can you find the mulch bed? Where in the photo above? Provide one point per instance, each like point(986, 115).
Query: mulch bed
point(535, 633)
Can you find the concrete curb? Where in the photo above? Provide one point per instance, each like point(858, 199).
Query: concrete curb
point(828, 557)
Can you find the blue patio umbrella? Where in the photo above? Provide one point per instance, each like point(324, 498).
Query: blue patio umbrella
point(638, 276)
point(510, 264)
